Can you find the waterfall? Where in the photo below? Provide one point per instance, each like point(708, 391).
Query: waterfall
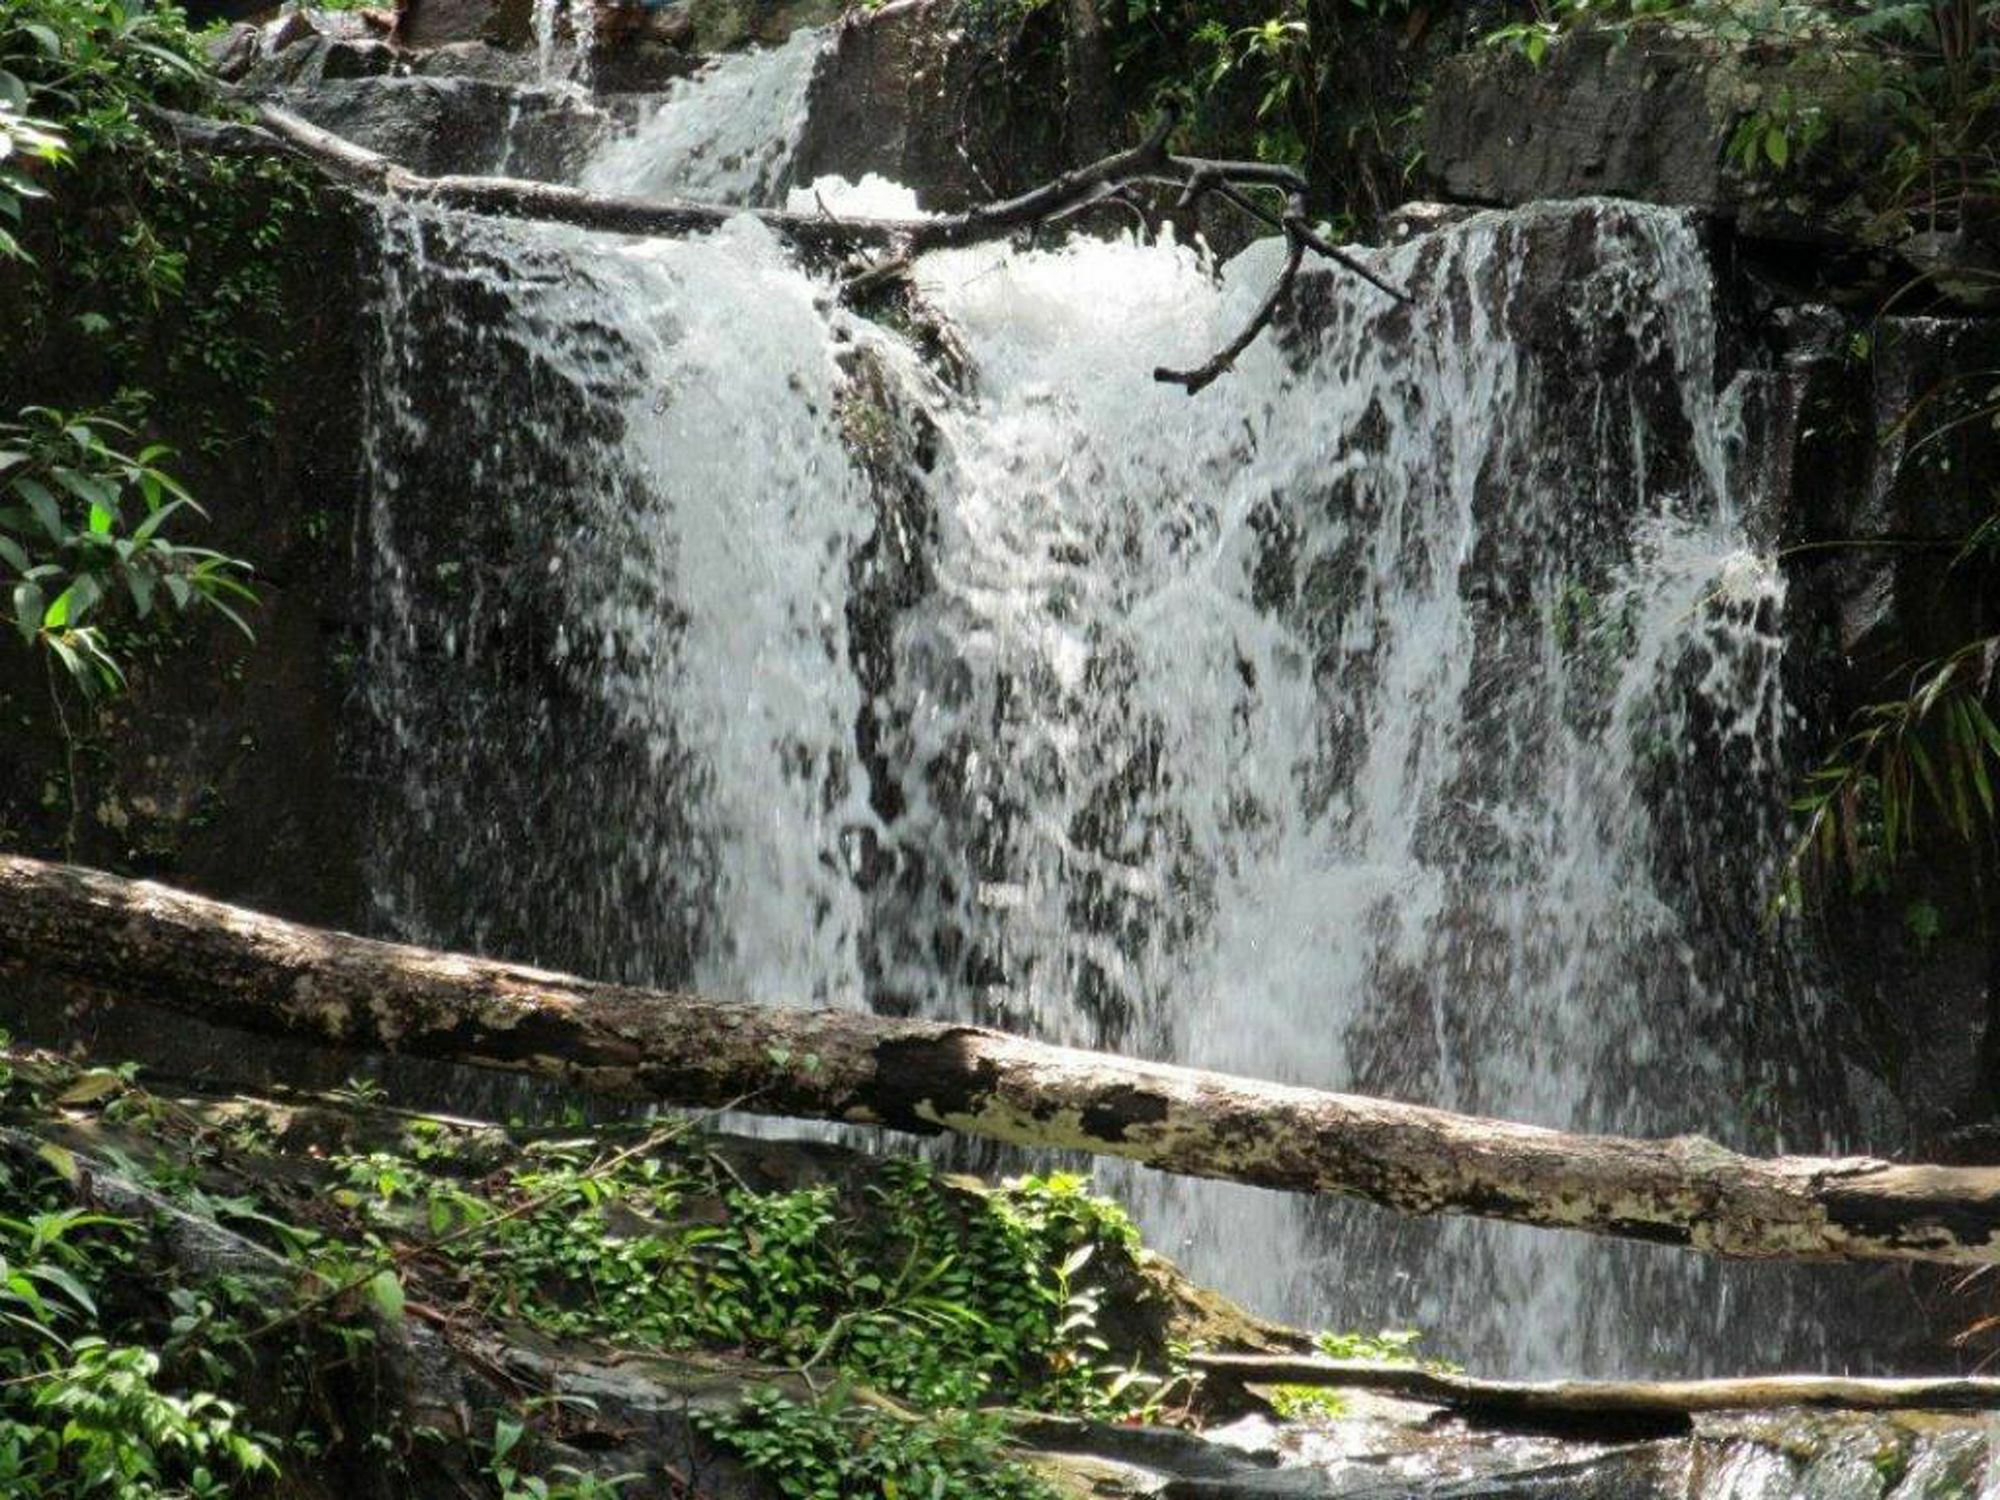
point(1403, 714)
point(726, 136)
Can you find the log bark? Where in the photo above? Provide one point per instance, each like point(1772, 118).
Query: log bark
point(1570, 1400)
point(103, 936)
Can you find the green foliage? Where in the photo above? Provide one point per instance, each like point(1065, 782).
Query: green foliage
point(1392, 1346)
point(26, 144)
point(83, 528)
point(918, 1316)
point(93, 65)
point(506, 1465)
point(834, 1449)
point(945, 1299)
point(1925, 760)
point(1775, 135)
point(82, 1416)
point(1274, 79)
point(87, 512)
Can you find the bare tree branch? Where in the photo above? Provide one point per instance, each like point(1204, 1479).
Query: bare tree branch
point(895, 242)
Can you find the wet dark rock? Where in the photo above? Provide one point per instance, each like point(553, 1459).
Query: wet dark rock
point(309, 61)
point(640, 64)
point(443, 125)
point(1648, 114)
point(479, 60)
point(1410, 220)
point(726, 25)
point(223, 767)
point(1876, 457)
point(231, 52)
point(432, 23)
point(908, 91)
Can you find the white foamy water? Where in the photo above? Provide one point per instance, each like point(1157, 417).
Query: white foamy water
point(552, 66)
point(1403, 714)
point(873, 197)
point(724, 136)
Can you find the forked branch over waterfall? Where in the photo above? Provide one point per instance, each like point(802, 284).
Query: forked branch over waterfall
point(98, 937)
point(893, 243)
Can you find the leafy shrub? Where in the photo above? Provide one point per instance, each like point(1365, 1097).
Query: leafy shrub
point(83, 1417)
point(84, 528)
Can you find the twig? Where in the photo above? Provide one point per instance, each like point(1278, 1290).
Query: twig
point(1224, 360)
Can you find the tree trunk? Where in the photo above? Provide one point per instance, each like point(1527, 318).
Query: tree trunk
point(104, 936)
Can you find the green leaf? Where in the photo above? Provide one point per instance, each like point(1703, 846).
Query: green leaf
point(60, 1160)
point(1778, 146)
point(153, 522)
point(89, 488)
point(506, 1435)
point(386, 1291)
point(56, 616)
point(65, 1283)
point(27, 609)
point(98, 1083)
point(42, 505)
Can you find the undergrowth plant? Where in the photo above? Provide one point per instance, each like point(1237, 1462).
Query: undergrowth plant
point(85, 1412)
point(85, 529)
point(1926, 759)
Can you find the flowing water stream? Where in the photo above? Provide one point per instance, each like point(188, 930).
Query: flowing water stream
point(1402, 714)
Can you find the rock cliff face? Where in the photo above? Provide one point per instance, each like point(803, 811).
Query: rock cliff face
point(227, 764)
point(921, 92)
point(1872, 439)
point(1647, 115)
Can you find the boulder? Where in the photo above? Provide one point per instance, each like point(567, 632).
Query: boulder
point(439, 126)
point(904, 91)
point(725, 25)
point(1649, 113)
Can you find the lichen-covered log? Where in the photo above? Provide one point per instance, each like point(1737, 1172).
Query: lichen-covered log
point(1583, 1399)
point(109, 937)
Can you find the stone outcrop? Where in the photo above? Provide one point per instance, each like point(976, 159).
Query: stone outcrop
point(224, 763)
point(911, 91)
point(1647, 114)
point(447, 126)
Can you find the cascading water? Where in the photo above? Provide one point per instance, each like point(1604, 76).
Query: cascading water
point(726, 136)
point(1400, 715)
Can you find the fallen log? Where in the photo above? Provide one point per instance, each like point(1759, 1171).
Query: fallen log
point(100, 936)
point(1574, 1400)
